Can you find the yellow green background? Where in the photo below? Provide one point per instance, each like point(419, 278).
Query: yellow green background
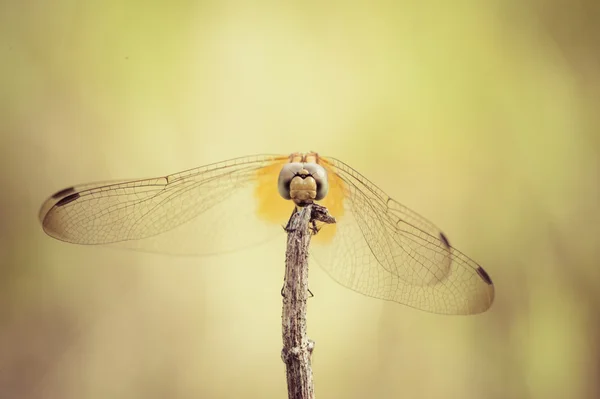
point(481, 115)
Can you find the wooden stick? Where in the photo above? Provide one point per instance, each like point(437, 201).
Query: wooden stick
point(297, 348)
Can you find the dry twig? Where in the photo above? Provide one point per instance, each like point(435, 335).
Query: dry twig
point(297, 348)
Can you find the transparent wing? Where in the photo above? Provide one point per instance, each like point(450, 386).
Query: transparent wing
point(382, 249)
point(206, 210)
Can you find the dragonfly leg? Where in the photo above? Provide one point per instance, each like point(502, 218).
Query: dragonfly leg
point(287, 227)
point(314, 229)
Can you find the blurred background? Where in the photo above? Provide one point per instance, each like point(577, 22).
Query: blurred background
point(482, 116)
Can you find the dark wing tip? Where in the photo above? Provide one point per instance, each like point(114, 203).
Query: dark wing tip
point(67, 199)
point(61, 198)
point(484, 276)
point(63, 192)
point(445, 240)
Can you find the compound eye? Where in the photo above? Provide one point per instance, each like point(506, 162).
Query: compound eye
point(286, 175)
point(320, 175)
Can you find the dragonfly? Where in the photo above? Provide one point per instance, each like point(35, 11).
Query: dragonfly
point(377, 247)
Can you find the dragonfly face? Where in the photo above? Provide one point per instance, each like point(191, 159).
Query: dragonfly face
point(303, 182)
point(378, 247)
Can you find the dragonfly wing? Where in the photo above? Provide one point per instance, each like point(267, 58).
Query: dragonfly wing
point(210, 209)
point(382, 249)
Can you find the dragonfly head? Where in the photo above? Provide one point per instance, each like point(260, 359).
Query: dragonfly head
point(303, 183)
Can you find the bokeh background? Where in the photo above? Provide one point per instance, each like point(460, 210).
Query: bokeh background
point(483, 116)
